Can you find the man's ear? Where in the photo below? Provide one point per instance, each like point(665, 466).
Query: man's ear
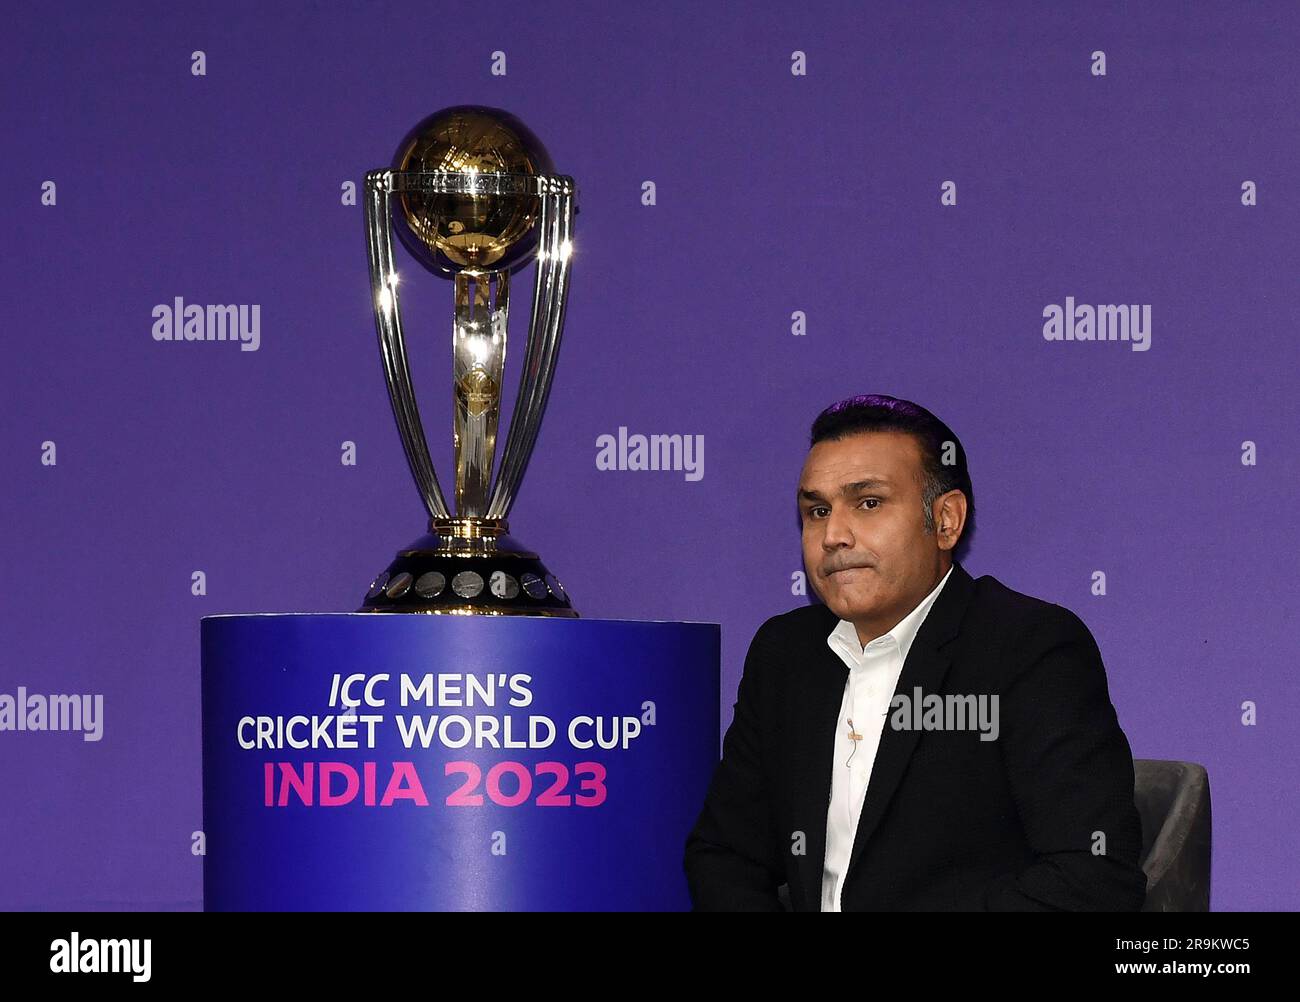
point(949, 518)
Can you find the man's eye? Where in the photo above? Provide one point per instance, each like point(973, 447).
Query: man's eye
point(873, 504)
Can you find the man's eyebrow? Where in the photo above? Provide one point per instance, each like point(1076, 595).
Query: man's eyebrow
point(871, 483)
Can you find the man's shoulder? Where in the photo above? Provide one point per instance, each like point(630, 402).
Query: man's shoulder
point(996, 607)
point(813, 621)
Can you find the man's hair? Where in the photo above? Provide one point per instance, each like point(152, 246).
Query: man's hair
point(875, 412)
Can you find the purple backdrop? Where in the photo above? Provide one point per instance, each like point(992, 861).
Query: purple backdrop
point(775, 192)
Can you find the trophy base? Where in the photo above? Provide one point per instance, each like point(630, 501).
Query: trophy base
point(468, 567)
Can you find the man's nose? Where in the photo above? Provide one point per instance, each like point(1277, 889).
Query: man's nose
point(839, 531)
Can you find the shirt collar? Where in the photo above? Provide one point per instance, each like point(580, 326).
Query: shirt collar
point(844, 638)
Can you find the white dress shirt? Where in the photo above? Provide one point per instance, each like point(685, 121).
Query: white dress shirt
point(873, 677)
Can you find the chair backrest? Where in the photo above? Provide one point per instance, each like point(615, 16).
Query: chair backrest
point(1173, 801)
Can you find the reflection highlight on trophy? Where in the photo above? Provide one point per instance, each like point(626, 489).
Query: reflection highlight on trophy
point(474, 197)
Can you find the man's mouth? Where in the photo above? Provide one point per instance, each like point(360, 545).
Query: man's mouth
point(848, 570)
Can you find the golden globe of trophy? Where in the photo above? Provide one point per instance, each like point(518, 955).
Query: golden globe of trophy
point(474, 197)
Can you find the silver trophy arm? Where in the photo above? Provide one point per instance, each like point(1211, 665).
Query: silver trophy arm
point(546, 326)
point(392, 346)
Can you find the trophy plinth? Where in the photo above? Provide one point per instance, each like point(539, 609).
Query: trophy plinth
point(473, 196)
point(468, 566)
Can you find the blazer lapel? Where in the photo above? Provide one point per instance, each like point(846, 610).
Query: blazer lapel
point(925, 667)
point(819, 696)
point(816, 703)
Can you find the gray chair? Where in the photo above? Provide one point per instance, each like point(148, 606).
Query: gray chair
point(1173, 801)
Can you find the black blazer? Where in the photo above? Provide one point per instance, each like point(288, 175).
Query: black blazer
point(949, 822)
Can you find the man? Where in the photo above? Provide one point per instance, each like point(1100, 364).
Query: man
point(834, 782)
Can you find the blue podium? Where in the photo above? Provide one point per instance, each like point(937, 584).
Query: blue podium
point(370, 761)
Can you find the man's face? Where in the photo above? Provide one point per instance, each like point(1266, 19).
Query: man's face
point(865, 546)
